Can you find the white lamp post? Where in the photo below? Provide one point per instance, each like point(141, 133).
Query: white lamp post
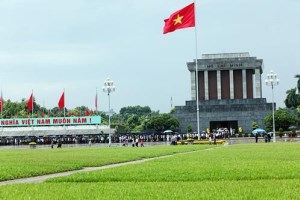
point(108, 88)
point(272, 81)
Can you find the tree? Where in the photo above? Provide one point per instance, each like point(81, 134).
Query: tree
point(189, 129)
point(298, 110)
point(163, 122)
point(136, 110)
point(283, 119)
point(132, 122)
point(254, 125)
point(172, 111)
point(292, 100)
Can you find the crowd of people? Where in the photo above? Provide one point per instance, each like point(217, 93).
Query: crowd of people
point(82, 139)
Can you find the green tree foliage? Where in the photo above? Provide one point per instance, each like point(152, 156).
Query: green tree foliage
point(163, 122)
point(135, 110)
point(132, 122)
point(298, 111)
point(292, 100)
point(173, 111)
point(189, 129)
point(283, 119)
point(133, 119)
point(254, 125)
point(20, 110)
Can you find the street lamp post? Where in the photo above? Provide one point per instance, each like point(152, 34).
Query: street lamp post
point(272, 81)
point(108, 88)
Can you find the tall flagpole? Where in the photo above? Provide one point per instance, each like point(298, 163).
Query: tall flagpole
point(96, 105)
point(43, 113)
point(196, 63)
point(96, 100)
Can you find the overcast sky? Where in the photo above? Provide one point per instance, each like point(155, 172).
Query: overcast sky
point(51, 45)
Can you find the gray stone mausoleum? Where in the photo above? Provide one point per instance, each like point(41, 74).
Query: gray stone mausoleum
point(229, 93)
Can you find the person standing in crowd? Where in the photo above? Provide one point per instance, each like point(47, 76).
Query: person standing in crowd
point(209, 138)
point(52, 144)
point(215, 139)
point(90, 142)
point(59, 143)
point(266, 138)
point(137, 142)
point(269, 137)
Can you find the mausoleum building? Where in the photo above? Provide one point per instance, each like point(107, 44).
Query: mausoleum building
point(229, 93)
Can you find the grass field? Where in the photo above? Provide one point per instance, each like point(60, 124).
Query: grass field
point(248, 171)
point(32, 162)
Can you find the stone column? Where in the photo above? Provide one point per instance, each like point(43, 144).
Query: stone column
point(257, 83)
point(231, 84)
point(193, 85)
point(206, 85)
point(219, 84)
point(244, 84)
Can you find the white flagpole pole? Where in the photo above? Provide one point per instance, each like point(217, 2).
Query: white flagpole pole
point(196, 63)
point(43, 113)
point(96, 101)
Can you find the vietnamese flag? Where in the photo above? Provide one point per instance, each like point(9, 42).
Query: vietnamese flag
point(61, 102)
point(30, 103)
point(183, 18)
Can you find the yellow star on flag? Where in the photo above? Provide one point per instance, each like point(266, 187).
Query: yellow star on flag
point(178, 20)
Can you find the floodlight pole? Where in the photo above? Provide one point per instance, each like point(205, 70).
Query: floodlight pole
point(272, 81)
point(108, 88)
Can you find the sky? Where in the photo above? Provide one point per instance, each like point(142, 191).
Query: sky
point(48, 46)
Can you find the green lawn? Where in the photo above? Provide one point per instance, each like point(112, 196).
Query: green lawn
point(248, 171)
point(18, 163)
point(240, 162)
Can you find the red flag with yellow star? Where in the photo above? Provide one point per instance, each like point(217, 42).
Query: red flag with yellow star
point(182, 18)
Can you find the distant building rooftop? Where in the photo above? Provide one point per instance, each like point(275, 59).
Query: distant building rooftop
point(225, 55)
